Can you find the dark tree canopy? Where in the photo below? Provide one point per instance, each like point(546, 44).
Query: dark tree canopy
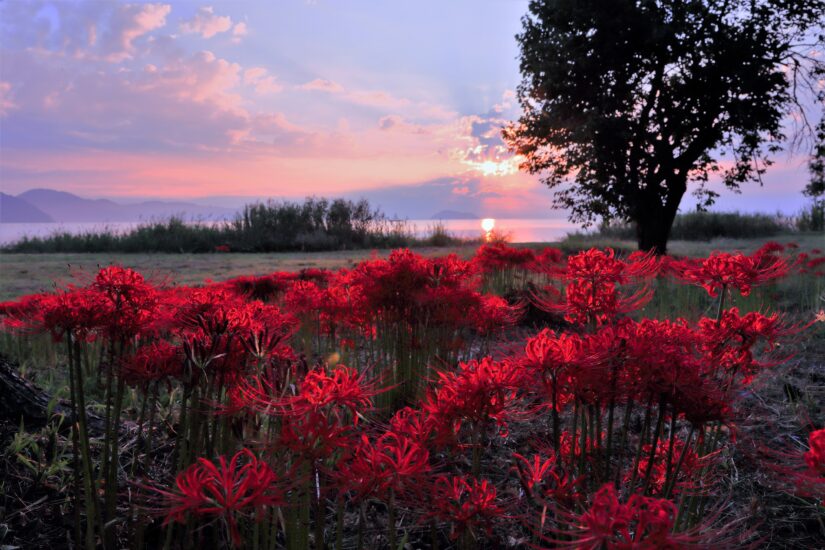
point(627, 102)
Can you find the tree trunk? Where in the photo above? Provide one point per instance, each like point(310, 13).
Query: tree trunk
point(655, 220)
point(652, 233)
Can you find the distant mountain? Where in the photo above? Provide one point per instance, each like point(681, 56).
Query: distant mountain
point(67, 207)
point(16, 210)
point(453, 215)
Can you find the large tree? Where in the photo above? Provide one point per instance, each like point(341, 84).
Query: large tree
point(627, 102)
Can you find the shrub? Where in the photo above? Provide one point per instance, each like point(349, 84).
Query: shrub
point(705, 226)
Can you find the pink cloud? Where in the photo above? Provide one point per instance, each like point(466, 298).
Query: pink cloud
point(321, 85)
point(370, 98)
point(396, 123)
point(189, 102)
point(91, 31)
point(207, 24)
point(261, 81)
point(239, 31)
point(6, 101)
point(377, 98)
point(128, 23)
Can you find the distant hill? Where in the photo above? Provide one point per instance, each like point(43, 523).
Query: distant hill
point(453, 215)
point(60, 206)
point(16, 210)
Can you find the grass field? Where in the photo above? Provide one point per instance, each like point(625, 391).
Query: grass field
point(28, 273)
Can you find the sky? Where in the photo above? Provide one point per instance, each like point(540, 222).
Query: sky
point(400, 102)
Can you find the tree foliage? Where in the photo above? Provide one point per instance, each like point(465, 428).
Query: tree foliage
point(627, 102)
point(816, 187)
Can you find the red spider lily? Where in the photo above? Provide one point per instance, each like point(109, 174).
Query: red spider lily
point(325, 309)
point(811, 480)
point(499, 256)
point(591, 294)
point(602, 267)
point(726, 270)
point(410, 290)
point(532, 474)
point(392, 285)
point(466, 504)
point(217, 327)
point(223, 491)
point(411, 423)
point(343, 388)
point(25, 313)
point(201, 318)
point(455, 307)
point(547, 353)
point(815, 455)
point(262, 329)
point(771, 247)
point(544, 481)
point(392, 464)
point(76, 311)
point(480, 391)
point(642, 522)
point(303, 297)
point(659, 355)
point(313, 436)
point(701, 399)
point(814, 266)
point(122, 284)
point(451, 271)
point(132, 302)
point(728, 344)
point(680, 456)
point(557, 359)
point(492, 314)
point(546, 260)
point(151, 363)
point(602, 303)
point(802, 474)
point(343, 304)
point(204, 308)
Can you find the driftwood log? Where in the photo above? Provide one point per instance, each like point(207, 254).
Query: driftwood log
point(22, 400)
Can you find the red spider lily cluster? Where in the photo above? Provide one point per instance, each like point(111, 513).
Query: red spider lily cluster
point(293, 398)
point(224, 491)
point(592, 292)
point(725, 271)
point(466, 505)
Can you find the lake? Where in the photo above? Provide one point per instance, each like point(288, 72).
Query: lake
point(518, 230)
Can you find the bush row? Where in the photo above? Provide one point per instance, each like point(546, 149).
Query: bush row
point(314, 225)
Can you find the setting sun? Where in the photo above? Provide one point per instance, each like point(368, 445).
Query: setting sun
point(487, 224)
